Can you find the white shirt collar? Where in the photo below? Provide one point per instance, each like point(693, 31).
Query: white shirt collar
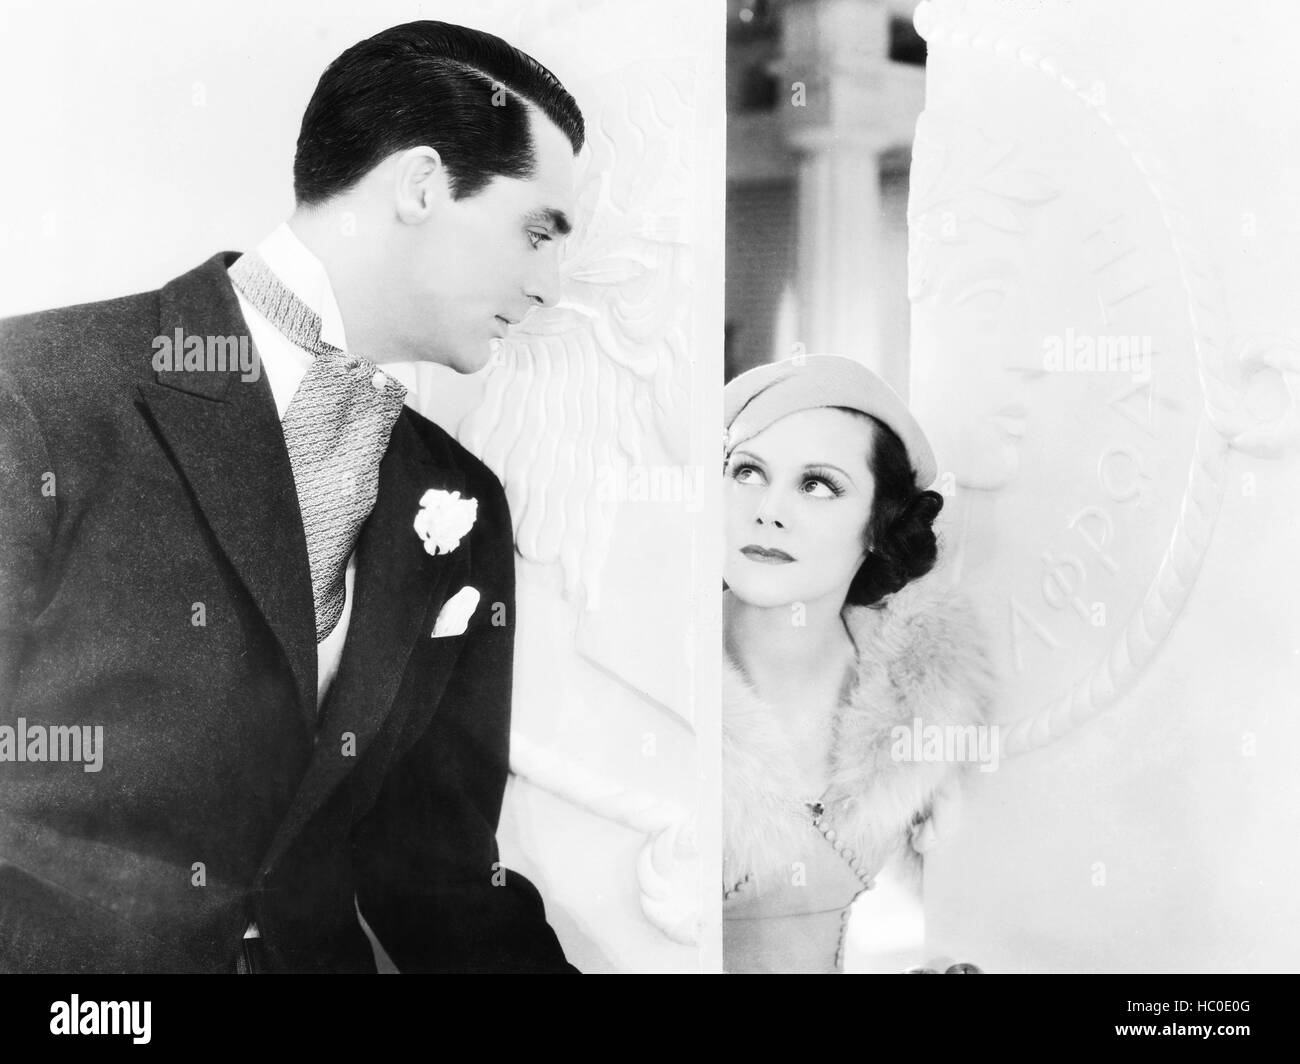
point(304, 274)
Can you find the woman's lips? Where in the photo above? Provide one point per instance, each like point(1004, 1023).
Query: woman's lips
point(765, 555)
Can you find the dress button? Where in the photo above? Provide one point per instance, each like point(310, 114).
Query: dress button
point(379, 381)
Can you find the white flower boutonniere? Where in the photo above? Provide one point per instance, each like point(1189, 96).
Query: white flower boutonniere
point(443, 520)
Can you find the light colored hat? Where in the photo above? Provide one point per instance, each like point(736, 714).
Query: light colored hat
point(758, 397)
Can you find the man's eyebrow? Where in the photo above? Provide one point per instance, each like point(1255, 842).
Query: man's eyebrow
point(558, 220)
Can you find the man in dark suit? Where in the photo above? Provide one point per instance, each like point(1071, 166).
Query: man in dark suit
point(265, 580)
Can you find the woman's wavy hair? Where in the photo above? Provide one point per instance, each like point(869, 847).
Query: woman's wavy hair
point(899, 537)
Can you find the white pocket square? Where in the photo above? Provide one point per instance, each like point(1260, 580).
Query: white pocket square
point(454, 616)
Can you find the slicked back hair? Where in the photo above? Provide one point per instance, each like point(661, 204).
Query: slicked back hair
point(465, 93)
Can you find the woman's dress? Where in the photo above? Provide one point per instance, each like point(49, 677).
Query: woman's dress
point(792, 866)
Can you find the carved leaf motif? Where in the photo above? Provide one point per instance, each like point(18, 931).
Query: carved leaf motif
point(962, 176)
point(1023, 186)
point(994, 214)
point(584, 387)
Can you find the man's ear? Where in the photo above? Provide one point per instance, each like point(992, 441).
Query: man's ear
point(421, 184)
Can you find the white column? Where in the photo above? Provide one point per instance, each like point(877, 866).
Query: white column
point(831, 90)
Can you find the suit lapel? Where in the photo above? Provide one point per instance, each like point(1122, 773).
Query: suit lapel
point(398, 585)
point(225, 435)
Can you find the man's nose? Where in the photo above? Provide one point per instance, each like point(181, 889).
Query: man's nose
point(543, 287)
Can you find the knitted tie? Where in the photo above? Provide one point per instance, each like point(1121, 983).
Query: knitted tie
point(336, 430)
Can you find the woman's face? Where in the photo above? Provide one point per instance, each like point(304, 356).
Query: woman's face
point(798, 498)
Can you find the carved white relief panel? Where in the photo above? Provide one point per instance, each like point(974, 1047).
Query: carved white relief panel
point(1095, 404)
point(1071, 354)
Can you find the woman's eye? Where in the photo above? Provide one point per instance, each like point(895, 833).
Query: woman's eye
point(744, 474)
point(537, 239)
point(820, 489)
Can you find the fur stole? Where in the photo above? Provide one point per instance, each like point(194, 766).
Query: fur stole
point(920, 655)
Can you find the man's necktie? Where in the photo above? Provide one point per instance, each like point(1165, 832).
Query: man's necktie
point(336, 430)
